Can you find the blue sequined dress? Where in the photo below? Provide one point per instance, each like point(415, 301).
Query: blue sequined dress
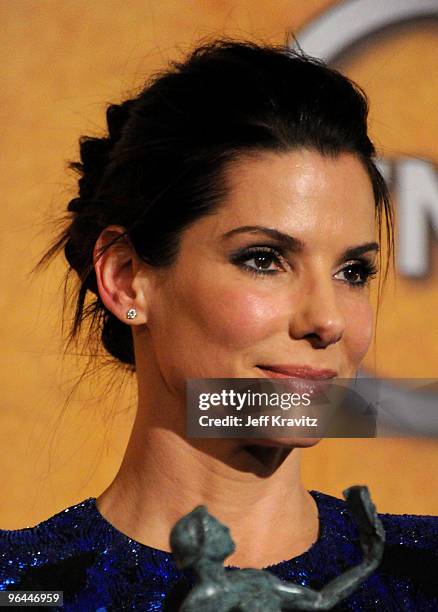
point(98, 568)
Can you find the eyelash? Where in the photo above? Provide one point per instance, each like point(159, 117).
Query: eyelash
point(369, 270)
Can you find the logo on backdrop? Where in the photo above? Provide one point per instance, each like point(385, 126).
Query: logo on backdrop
point(414, 181)
point(332, 36)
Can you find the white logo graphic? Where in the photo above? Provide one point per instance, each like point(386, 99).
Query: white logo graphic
point(414, 181)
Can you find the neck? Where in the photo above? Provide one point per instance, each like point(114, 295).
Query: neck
point(254, 490)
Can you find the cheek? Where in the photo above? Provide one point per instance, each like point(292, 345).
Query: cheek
point(238, 316)
point(359, 331)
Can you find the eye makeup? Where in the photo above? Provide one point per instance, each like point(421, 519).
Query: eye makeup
point(268, 254)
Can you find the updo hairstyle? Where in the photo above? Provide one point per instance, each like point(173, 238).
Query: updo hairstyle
point(161, 165)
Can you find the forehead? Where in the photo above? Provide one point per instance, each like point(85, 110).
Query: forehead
point(300, 192)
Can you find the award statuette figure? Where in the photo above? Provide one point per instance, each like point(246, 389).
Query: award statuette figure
point(200, 542)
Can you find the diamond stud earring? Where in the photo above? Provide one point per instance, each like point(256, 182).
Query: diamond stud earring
point(131, 313)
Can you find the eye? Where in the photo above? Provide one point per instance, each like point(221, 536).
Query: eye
point(359, 274)
point(261, 258)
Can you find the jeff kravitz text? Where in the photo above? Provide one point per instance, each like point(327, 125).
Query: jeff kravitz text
point(260, 421)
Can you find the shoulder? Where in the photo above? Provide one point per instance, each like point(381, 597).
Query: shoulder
point(411, 530)
point(408, 530)
point(63, 528)
point(409, 565)
point(411, 549)
point(406, 578)
point(32, 556)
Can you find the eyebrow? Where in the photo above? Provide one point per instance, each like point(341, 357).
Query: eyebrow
point(295, 245)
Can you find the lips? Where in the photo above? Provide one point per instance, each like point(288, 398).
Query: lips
point(299, 371)
point(301, 379)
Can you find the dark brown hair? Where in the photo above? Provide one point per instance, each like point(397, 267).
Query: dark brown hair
point(161, 165)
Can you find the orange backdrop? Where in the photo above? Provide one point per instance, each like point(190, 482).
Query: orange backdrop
point(62, 62)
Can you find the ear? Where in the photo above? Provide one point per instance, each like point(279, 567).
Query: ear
point(118, 271)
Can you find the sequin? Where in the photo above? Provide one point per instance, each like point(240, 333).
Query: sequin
point(100, 569)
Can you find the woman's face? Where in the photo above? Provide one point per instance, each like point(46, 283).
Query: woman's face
point(239, 298)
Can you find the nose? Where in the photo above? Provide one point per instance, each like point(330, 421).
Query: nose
point(317, 315)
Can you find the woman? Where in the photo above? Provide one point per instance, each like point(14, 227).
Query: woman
point(228, 226)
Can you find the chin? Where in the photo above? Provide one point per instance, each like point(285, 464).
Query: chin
point(299, 442)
